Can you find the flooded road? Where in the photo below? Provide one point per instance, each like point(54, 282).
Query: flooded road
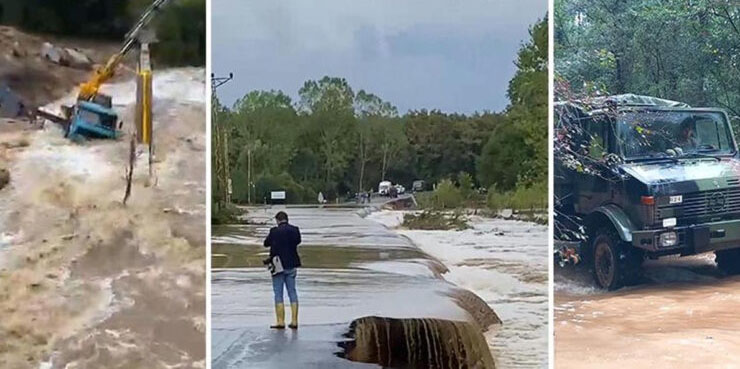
point(86, 282)
point(505, 263)
point(682, 315)
point(352, 268)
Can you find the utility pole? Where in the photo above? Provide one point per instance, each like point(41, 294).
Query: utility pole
point(249, 175)
point(220, 141)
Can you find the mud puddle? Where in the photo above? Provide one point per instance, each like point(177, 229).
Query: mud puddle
point(681, 315)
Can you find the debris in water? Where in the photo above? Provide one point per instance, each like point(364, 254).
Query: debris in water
point(416, 343)
point(4, 178)
point(11, 105)
point(130, 172)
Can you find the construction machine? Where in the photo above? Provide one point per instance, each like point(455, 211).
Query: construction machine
point(92, 115)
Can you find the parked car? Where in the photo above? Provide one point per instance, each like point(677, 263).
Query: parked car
point(418, 185)
point(400, 189)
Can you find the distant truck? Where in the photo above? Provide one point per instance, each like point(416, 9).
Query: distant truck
point(384, 188)
point(641, 177)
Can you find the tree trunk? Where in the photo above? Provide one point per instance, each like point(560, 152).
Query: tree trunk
point(385, 160)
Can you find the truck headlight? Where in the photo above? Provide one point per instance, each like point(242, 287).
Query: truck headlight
point(668, 239)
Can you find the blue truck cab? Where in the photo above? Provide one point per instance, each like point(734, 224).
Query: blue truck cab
point(92, 120)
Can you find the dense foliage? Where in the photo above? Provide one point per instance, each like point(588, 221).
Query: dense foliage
point(180, 28)
point(339, 142)
point(681, 50)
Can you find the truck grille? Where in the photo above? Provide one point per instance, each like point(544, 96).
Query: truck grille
point(712, 203)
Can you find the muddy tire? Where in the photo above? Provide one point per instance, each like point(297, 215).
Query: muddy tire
point(614, 263)
point(728, 261)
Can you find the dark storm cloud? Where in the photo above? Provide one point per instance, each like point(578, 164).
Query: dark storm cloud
point(457, 56)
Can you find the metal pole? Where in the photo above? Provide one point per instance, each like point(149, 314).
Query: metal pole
point(221, 150)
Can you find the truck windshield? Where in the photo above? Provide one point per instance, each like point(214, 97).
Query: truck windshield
point(90, 117)
point(656, 134)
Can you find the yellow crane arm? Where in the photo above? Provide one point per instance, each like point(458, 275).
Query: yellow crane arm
point(89, 89)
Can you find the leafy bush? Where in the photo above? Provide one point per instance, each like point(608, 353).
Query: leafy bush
point(226, 214)
point(465, 181)
point(446, 196)
point(523, 198)
point(436, 220)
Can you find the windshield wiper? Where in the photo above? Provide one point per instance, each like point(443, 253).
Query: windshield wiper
point(702, 154)
point(658, 156)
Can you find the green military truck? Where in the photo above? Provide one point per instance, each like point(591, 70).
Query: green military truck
point(640, 177)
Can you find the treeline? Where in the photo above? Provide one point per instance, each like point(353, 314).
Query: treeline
point(676, 49)
point(180, 27)
point(339, 142)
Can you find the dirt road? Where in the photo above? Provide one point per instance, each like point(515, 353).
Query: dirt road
point(682, 315)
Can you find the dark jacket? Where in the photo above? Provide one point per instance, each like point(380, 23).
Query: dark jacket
point(283, 241)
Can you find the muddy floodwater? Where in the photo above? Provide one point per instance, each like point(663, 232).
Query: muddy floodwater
point(683, 314)
point(354, 269)
point(86, 282)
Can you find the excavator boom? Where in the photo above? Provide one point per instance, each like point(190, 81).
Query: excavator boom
point(89, 90)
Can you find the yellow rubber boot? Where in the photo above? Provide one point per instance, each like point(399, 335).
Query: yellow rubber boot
point(280, 315)
point(293, 316)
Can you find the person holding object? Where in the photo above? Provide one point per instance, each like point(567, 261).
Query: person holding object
point(283, 241)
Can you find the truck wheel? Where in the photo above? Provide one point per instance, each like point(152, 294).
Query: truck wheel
point(728, 260)
point(614, 263)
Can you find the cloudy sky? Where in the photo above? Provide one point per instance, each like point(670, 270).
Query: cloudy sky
point(451, 55)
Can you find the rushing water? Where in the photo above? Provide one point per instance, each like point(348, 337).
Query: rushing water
point(87, 282)
point(681, 315)
point(505, 263)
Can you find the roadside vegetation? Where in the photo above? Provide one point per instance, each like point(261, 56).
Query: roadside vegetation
point(673, 49)
point(339, 141)
point(180, 27)
point(226, 214)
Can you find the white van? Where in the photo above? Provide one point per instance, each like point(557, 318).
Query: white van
point(384, 188)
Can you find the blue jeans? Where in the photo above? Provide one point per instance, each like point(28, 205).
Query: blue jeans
point(286, 278)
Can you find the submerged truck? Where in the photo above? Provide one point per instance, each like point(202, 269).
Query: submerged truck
point(639, 177)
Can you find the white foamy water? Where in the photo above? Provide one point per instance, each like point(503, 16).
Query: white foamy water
point(505, 263)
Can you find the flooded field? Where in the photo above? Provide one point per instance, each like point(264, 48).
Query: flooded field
point(353, 268)
point(86, 282)
point(505, 263)
point(681, 315)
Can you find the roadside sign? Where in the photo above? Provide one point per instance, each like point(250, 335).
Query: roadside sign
point(277, 195)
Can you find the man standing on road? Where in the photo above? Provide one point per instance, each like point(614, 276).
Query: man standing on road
point(283, 242)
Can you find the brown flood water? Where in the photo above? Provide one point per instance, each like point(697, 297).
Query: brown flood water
point(683, 315)
point(86, 282)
